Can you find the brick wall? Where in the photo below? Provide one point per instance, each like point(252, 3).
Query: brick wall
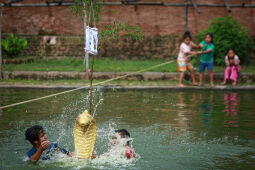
point(162, 27)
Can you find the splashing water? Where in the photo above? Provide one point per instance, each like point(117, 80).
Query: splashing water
point(116, 155)
point(114, 158)
point(155, 119)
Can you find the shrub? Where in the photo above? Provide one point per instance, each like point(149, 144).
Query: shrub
point(228, 33)
point(12, 46)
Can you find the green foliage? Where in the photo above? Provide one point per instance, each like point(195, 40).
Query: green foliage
point(110, 31)
point(92, 8)
point(228, 33)
point(12, 46)
point(116, 29)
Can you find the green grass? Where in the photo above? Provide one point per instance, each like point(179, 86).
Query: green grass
point(106, 65)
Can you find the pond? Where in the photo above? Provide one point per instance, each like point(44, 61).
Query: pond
point(171, 129)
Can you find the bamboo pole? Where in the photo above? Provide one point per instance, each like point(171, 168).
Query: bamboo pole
point(91, 80)
point(186, 15)
point(0, 42)
point(86, 57)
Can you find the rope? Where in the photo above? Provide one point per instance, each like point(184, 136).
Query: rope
point(99, 83)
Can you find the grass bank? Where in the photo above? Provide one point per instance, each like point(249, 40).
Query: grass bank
point(106, 65)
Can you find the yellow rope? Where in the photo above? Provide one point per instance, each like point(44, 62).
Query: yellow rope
point(102, 82)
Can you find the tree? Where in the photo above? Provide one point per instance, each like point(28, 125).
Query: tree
point(228, 33)
point(113, 30)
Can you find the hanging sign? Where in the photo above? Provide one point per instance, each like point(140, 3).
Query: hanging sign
point(91, 40)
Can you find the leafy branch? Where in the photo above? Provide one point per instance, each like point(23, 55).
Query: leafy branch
point(111, 31)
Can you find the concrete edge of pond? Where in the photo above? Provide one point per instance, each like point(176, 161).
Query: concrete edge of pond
point(152, 76)
point(251, 87)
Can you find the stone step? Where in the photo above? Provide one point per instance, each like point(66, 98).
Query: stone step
point(52, 75)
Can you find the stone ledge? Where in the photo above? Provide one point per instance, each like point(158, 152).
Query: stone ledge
point(224, 88)
point(147, 76)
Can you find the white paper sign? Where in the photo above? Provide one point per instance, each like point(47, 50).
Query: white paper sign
point(91, 40)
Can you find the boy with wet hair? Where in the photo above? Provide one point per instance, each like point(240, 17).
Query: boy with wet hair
point(123, 134)
point(42, 148)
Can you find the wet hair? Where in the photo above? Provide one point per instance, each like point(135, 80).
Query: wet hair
point(125, 133)
point(211, 35)
point(186, 35)
point(32, 133)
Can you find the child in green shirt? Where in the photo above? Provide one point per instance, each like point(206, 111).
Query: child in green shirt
point(206, 58)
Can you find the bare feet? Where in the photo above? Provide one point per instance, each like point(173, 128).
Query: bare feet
point(224, 83)
point(234, 84)
point(195, 84)
point(182, 85)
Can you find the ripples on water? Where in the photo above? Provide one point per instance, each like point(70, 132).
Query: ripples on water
point(170, 129)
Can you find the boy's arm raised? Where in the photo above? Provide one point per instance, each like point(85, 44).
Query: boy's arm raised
point(44, 145)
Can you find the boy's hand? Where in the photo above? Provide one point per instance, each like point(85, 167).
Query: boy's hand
point(45, 145)
point(199, 52)
point(71, 154)
point(93, 156)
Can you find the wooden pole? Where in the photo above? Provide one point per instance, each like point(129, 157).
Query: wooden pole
point(91, 86)
point(186, 15)
point(86, 57)
point(195, 6)
point(243, 3)
point(227, 5)
point(0, 42)
point(55, 4)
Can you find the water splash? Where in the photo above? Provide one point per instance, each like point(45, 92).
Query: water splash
point(115, 158)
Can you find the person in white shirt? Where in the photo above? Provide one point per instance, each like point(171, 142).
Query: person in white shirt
point(183, 60)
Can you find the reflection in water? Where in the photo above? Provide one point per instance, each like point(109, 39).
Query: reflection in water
point(182, 111)
point(231, 102)
point(206, 106)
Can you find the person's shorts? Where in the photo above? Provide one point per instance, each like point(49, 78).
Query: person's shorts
point(184, 65)
point(209, 67)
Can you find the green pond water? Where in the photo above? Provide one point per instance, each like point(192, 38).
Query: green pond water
point(171, 129)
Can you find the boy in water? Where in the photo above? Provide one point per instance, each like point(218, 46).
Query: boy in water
point(42, 148)
point(121, 144)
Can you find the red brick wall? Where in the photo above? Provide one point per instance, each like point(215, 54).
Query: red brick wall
point(154, 20)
